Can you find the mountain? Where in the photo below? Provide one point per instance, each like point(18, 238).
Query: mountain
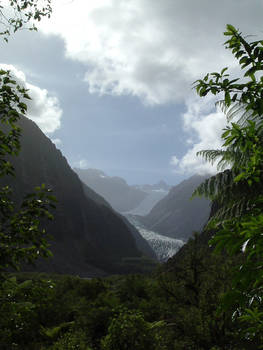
point(89, 238)
point(153, 197)
point(160, 186)
point(176, 215)
point(135, 199)
point(155, 193)
point(115, 190)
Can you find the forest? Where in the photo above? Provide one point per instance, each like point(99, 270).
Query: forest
point(208, 296)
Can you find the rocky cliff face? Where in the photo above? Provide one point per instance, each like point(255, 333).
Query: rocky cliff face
point(89, 238)
point(176, 215)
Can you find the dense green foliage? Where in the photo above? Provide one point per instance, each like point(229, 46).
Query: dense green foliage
point(175, 309)
point(238, 190)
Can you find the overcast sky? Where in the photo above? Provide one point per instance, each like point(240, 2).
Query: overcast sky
point(110, 81)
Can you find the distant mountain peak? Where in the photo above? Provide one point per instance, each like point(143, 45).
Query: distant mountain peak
point(161, 185)
point(91, 171)
point(115, 189)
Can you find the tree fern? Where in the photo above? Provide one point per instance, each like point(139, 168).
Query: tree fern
point(236, 112)
point(231, 189)
point(238, 191)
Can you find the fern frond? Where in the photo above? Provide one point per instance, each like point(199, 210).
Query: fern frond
point(229, 157)
point(214, 185)
point(236, 111)
point(230, 210)
point(210, 155)
point(233, 197)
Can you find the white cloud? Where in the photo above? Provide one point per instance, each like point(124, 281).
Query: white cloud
point(174, 161)
point(81, 164)
point(43, 108)
point(205, 124)
point(150, 49)
point(57, 142)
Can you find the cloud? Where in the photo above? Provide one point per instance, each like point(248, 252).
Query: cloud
point(174, 160)
point(204, 123)
point(81, 164)
point(43, 108)
point(57, 142)
point(150, 49)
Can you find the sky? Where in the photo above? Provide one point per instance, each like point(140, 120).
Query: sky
point(111, 81)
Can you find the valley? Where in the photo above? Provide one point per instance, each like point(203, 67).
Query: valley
point(103, 225)
point(164, 215)
point(131, 209)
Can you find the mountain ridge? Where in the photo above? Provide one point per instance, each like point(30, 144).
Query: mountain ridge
point(176, 215)
point(88, 235)
point(114, 189)
point(124, 198)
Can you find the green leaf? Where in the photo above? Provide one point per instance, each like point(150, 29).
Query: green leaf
point(223, 71)
point(231, 29)
point(227, 98)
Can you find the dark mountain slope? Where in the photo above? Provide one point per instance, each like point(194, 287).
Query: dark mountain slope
point(176, 215)
point(141, 243)
point(85, 231)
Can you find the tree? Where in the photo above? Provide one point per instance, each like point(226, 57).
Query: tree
point(21, 236)
point(238, 191)
point(129, 331)
point(18, 14)
point(22, 239)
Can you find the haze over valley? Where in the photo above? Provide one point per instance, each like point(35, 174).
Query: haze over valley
point(100, 222)
point(164, 215)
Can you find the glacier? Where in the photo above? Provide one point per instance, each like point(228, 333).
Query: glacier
point(163, 246)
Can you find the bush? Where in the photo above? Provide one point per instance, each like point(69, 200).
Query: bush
point(129, 331)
